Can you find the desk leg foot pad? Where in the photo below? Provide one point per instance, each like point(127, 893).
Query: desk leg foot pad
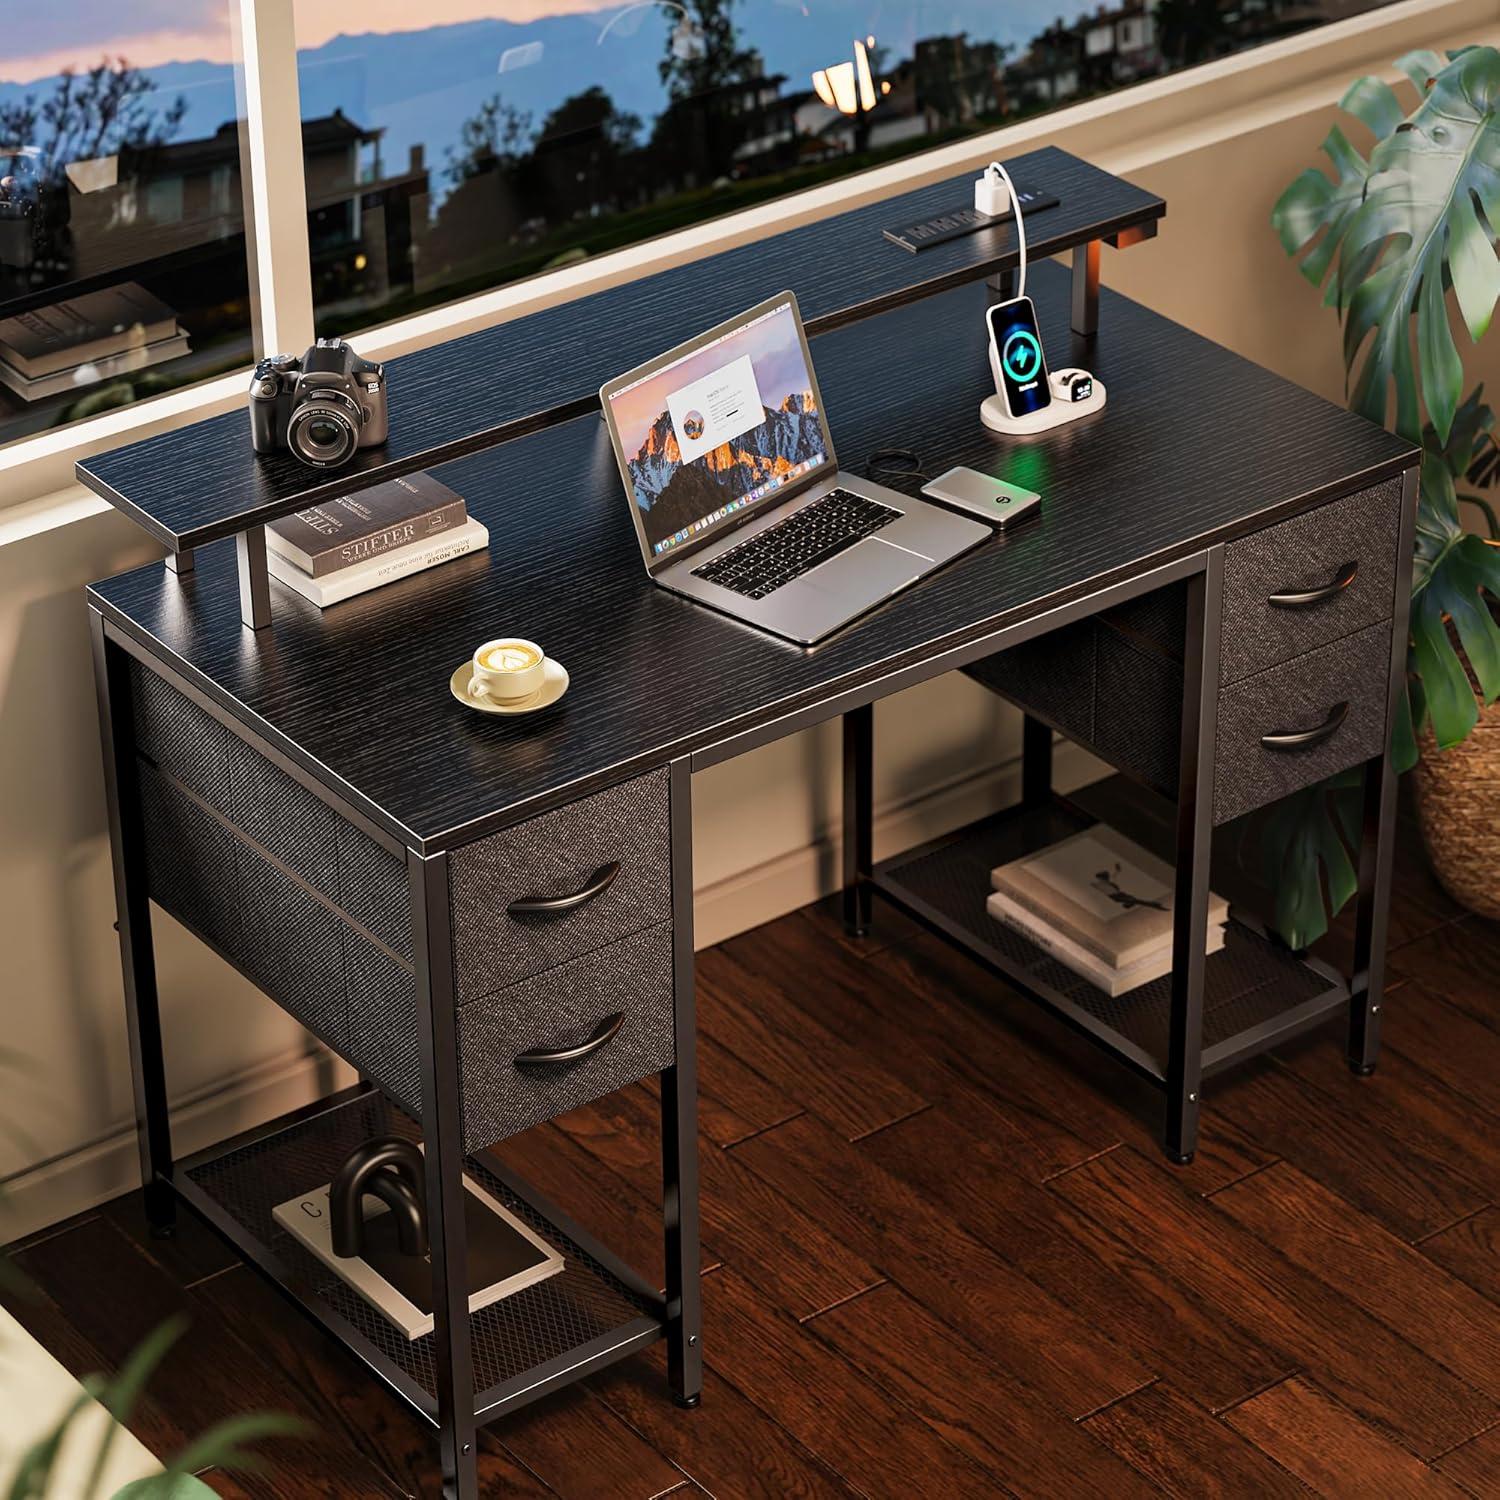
point(1361, 1069)
point(1181, 1158)
point(689, 1403)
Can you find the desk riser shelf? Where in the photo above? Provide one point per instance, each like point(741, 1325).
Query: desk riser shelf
point(595, 1312)
point(1256, 992)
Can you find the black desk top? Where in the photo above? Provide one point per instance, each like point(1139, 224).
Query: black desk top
point(199, 483)
point(1196, 446)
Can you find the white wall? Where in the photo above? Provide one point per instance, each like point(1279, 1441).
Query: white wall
point(765, 824)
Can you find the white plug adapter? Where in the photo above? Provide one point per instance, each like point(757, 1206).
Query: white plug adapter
point(991, 192)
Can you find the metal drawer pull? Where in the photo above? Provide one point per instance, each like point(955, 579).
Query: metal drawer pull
point(1304, 739)
point(1305, 598)
point(602, 1033)
point(551, 906)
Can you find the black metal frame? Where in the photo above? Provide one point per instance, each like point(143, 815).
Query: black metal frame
point(457, 1410)
point(1187, 1062)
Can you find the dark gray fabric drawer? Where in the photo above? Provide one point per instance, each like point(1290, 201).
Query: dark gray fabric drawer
point(191, 861)
point(373, 889)
point(293, 948)
point(1305, 553)
point(180, 737)
point(383, 1021)
point(562, 1008)
point(554, 855)
point(1051, 677)
point(283, 817)
point(1299, 695)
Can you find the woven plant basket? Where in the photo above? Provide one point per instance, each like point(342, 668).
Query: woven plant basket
point(1458, 807)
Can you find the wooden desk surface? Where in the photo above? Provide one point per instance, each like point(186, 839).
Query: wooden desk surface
point(1196, 446)
point(202, 482)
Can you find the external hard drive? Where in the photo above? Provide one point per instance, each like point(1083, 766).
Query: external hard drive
point(992, 500)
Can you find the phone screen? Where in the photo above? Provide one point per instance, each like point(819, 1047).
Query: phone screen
point(1023, 366)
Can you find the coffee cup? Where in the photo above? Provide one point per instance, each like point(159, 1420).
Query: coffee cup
point(507, 670)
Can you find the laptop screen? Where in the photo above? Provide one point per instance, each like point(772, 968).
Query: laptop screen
point(710, 434)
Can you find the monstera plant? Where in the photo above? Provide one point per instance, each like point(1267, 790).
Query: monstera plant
point(1402, 242)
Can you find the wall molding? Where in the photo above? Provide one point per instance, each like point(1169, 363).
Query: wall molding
point(107, 1166)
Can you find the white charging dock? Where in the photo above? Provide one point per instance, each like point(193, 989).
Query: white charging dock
point(1062, 408)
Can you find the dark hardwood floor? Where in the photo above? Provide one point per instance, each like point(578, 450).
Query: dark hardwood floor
point(945, 1257)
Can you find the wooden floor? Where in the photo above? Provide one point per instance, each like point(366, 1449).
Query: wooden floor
point(946, 1258)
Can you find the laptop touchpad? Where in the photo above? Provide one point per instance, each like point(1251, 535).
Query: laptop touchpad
point(868, 570)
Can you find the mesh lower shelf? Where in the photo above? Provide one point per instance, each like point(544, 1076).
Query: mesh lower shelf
point(1250, 986)
point(583, 1304)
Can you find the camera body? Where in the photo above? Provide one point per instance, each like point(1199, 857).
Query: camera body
point(321, 408)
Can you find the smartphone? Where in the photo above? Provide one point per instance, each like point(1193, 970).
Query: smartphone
point(1019, 358)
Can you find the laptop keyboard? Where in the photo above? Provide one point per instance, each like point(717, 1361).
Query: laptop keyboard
point(788, 549)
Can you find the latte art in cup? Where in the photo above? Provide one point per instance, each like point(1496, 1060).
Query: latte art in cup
point(507, 670)
point(513, 656)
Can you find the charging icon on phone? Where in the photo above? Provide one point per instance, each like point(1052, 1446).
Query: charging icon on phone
point(1022, 354)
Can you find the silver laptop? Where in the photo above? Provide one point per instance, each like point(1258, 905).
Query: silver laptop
point(737, 497)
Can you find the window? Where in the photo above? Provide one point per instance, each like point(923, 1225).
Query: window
point(122, 237)
point(493, 141)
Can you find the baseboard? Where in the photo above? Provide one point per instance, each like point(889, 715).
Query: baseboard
point(77, 1180)
point(102, 1169)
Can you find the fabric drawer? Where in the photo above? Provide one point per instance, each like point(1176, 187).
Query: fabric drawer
point(1307, 555)
point(183, 739)
point(284, 818)
point(1299, 696)
point(561, 1009)
point(1051, 677)
point(373, 889)
point(191, 861)
point(556, 855)
point(294, 949)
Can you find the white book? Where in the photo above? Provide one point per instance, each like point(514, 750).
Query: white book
point(1114, 982)
point(91, 372)
point(386, 568)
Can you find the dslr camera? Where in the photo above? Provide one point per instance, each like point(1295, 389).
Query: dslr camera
point(322, 407)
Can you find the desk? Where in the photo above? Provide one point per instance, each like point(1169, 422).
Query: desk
point(357, 853)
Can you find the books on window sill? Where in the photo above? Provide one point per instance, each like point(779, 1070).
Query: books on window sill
point(1100, 905)
point(49, 351)
point(359, 542)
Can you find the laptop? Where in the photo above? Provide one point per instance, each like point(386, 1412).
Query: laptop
point(736, 494)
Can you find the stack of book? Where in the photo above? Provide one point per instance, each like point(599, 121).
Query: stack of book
point(1098, 904)
point(50, 351)
point(375, 536)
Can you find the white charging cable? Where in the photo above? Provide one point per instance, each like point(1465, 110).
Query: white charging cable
point(1015, 206)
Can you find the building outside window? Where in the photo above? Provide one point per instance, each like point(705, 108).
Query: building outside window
point(459, 145)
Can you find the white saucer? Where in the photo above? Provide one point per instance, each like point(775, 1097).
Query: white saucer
point(554, 685)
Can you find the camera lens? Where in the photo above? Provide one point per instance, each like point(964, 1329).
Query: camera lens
point(322, 433)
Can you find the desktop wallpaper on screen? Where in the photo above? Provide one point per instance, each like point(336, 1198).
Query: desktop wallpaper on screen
point(720, 429)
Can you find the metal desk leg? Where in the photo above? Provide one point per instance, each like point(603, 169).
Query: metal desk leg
point(679, 1119)
point(442, 1135)
point(255, 578)
point(1086, 288)
point(859, 816)
point(1195, 826)
point(1378, 838)
point(133, 911)
point(1036, 762)
point(181, 563)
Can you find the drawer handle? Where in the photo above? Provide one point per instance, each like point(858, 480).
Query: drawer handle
point(602, 1034)
point(552, 906)
point(1305, 739)
point(1306, 598)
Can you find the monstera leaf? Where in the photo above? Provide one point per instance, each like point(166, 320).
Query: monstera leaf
point(1404, 225)
point(1387, 238)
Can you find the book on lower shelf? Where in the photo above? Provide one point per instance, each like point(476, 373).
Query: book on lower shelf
point(1100, 905)
point(505, 1255)
point(385, 568)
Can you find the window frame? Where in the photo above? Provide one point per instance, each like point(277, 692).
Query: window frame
point(1122, 131)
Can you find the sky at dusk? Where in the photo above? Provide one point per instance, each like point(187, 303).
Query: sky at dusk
point(41, 40)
